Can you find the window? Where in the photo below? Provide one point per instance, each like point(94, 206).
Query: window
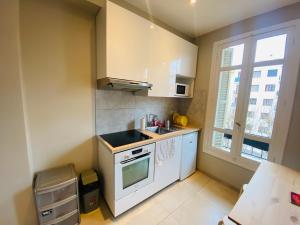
point(250, 114)
point(234, 102)
point(270, 87)
point(264, 116)
point(237, 79)
point(249, 127)
point(254, 88)
point(263, 130)
point(252, 101)
point(266, 50)
point(236, 91)
point(225, 113)
point(272, 73)
point(256, 74)
point(241, 133)
point(232, 56)
point(268, 102)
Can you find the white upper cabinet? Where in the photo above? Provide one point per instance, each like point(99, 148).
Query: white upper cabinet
point(187, 62)
point(162, 71)
point(123, 49)
point(170, 56)
point(131, 47)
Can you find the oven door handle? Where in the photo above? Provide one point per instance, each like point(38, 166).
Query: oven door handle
point(135, 158)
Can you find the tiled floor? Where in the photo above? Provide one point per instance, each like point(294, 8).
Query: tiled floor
point(198, 200)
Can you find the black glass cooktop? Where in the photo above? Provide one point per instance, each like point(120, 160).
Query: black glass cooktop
point(124, 137)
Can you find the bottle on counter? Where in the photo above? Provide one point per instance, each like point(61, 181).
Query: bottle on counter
point(168, 124)
point(143, 123)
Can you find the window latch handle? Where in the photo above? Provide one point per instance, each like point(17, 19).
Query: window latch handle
point(238, 124)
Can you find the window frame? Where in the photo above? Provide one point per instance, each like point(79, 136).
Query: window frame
point(286, 98)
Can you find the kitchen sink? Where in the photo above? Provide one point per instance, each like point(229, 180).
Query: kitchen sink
point(161, 130)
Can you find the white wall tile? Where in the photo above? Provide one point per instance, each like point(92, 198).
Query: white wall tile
point(119, 110)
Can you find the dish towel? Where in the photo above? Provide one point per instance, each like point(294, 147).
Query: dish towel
point(165, 150)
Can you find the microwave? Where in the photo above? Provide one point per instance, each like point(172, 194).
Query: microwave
point(182, 89)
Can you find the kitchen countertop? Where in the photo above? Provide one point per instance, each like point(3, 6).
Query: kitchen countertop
point(154, 138)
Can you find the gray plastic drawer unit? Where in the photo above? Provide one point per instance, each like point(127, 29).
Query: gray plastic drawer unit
point(56, 196)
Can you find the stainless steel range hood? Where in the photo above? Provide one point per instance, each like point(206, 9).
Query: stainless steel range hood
point(120, 84)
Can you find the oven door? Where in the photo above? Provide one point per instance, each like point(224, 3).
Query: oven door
point(133, 174)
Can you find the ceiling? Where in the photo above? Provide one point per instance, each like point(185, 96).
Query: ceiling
point(205, 15)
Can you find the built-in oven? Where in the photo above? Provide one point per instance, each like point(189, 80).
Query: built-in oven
point(134, 169)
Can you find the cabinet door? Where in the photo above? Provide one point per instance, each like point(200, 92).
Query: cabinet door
point(167, 169)
point(187, 59)
point(163, 60)
point(188, 154)
point(127, 38)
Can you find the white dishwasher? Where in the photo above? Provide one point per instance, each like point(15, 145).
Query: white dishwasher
point(188, 154)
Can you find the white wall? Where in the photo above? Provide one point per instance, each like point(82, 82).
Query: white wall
point(57, 39)
point(16, 202)
point(46, 95)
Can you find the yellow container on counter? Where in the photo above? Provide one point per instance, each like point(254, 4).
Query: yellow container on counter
point(180, 120)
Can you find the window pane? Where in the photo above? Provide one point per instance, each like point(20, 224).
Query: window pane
point(261, 115)
point(272, 73)
point(270, 87)
point(250, 114)
point(227, 99)
point(268, 102)
point(232, 56)
point(252, 101)
point(264, 116)
point(256, 73)
point(254, 88)
point(254, 152)
point(270, 48)
point(222, 141)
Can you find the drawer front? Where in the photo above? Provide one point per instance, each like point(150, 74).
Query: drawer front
point(60, 194)
point(59, 211)
point(190, 139)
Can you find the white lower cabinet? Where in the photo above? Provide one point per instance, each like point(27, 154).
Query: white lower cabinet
point(174, 159)
point(167, 162)
point(188, 154)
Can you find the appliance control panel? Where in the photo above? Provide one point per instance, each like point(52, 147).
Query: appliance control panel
point(135, 152)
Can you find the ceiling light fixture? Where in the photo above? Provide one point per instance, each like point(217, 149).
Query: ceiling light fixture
point(193, 1)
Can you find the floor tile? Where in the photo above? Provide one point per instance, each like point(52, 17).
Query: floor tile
point(182, 191)
point(208, 206)
point(198, 211)
point(196, 200)
point(148, 215)
point(169, 221)
point(223, 196)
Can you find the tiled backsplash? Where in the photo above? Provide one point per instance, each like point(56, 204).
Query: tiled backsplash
point(120, 110)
